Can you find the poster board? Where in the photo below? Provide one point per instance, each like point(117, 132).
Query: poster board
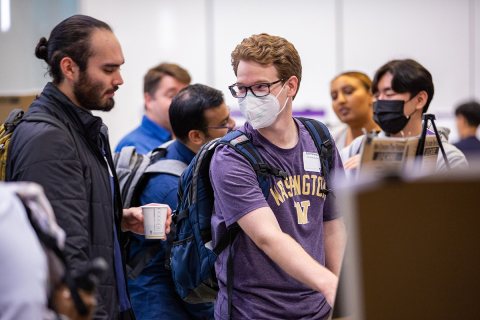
point(413, 249)
point(381, 155)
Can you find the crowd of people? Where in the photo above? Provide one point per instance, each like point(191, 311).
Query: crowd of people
point(286, 259)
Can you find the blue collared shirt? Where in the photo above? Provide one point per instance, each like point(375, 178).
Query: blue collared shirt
point(146, 137)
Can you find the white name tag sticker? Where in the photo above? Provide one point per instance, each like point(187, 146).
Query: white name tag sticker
point(311, 161)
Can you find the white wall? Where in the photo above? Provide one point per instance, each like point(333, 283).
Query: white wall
point(433, 32)
point(151, 32)
point(475, 43)
point(330, 35)
point(20, 71)
point(309, 25)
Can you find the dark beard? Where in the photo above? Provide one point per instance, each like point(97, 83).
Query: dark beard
point(89, 94)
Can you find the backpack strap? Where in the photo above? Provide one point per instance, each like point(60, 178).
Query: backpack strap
point(240, 143)
point(227, 240)
point(160, 151)
point(201, 165)
point(167, 166)
point(13, 120)
point(131, 164)
point(321, 138)
point(201, 168)
point(48, 118)
point(17, 116)
point(232, 234)
point(140, 261)
point(224, 241)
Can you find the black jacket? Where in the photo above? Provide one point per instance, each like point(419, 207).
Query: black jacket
point(77, 183)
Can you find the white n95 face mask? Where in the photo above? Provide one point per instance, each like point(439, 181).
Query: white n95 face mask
point(261, 112)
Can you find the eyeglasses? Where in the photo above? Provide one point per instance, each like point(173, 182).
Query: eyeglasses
point(228, 126)
point(258, 89)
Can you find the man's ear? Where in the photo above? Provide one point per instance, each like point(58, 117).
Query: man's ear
point(461, 121)
point(148, 100)
point(196, 137)
point(291, 85)
point(70, 69)
point(421, 100)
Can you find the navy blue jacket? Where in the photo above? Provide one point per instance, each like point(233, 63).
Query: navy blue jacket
point(470, 147)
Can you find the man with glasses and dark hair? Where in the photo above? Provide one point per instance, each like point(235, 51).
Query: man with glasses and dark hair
point(287, 259)
point(197, 114)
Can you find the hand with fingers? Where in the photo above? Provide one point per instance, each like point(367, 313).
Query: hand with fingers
point(133, 220)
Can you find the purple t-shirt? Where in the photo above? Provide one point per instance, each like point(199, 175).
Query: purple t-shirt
point(261, 289)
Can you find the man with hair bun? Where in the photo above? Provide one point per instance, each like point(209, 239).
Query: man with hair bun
point(286, 259)
point(75, 165)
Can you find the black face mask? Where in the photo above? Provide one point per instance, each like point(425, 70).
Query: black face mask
point(389, 115)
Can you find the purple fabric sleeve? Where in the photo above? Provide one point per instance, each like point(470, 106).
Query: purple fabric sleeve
point(236, 188)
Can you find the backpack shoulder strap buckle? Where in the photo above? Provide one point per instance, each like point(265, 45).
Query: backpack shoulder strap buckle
point(279, 173)
point(328, 144)
point(261, 167)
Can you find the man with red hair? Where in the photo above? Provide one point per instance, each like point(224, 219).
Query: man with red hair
point(287, 257)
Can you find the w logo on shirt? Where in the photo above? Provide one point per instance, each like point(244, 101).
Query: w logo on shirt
point(302, 211)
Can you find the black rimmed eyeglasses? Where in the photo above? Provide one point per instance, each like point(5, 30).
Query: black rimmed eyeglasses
point(229, 125)
point(258, 89)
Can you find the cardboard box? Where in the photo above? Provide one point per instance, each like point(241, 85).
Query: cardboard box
point(8, 103)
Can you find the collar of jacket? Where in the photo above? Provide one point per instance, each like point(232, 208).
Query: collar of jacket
point(77, 118)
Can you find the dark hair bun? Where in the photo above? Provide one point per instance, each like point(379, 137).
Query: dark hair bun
point(41, 50)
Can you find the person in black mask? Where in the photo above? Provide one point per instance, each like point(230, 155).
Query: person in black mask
point(403, 90)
